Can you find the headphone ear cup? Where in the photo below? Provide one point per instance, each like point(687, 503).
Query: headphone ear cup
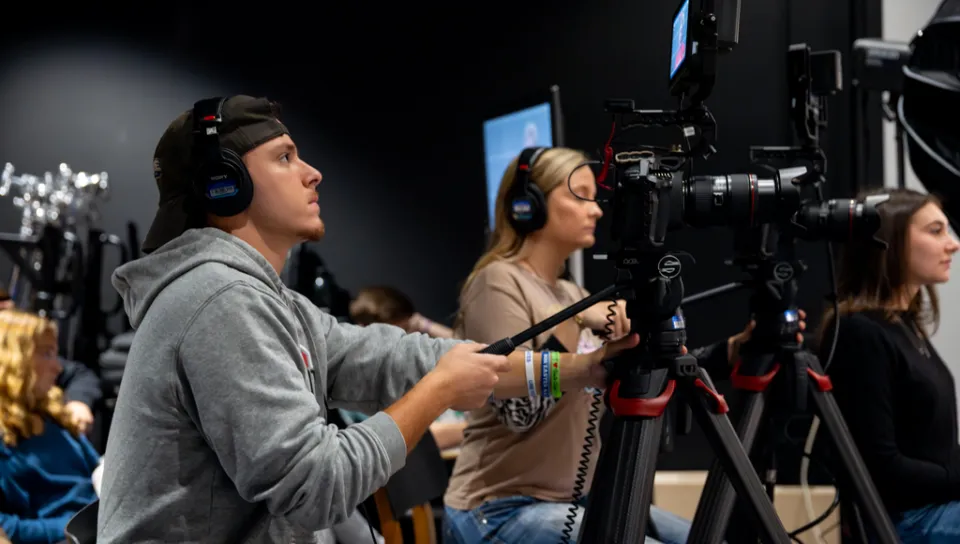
point(528, 207)
point(225, 187)
point(528, 211)
point(539, 207)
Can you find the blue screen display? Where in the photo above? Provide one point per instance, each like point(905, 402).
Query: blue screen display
point(678, 50)
point(505, 137)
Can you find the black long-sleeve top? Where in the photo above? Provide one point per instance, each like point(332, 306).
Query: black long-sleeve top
point(79, 383)
point(901, 407)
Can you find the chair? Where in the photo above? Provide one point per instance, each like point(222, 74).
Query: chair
point(423, 478)
point(82, 527)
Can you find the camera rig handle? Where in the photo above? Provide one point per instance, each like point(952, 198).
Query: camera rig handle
point(694, 121)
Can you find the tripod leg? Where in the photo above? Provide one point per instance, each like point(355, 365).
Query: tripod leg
point(718, 498)
point(856, 475)
point(627, 463)
point(710, 410)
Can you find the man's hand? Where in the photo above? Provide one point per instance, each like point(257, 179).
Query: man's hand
point(599, 316)
point(468, 377)
point(81, 415)
point(735, 342)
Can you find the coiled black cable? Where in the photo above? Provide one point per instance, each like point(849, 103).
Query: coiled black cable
point(589, 440)
point(611, 320)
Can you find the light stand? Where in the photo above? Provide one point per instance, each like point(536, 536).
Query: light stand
point(45, 282)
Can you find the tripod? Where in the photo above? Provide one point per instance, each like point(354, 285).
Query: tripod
point(775, 375)
point(645, 379)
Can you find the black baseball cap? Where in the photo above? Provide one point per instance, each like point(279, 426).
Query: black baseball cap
point(247, 122)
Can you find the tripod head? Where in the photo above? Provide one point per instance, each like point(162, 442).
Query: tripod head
point(650, 283)
point(646, 201)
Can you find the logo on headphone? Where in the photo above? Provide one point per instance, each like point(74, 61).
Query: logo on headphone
point(222, 189)
point(522, 209)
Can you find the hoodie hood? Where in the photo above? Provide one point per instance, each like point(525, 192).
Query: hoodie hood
point(139, 282)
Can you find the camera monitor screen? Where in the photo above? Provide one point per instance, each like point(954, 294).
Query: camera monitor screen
point(505, 136)
point(678, 48)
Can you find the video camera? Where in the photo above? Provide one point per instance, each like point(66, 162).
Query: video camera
point(654, 190)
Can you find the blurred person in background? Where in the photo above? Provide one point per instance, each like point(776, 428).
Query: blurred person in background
point(81, 386)
point(47, 465)
point(384, 304)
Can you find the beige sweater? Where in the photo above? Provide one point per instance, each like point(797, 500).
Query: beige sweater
point(522, 446)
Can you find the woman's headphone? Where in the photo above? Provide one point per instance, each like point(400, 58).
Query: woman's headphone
point(222, 181)
point(528, 206)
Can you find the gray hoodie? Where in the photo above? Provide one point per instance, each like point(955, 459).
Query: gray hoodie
point(219, 433)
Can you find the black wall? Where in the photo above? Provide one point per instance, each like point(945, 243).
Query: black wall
point(388, 105)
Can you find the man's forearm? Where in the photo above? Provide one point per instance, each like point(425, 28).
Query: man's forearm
point(574, 373)
point(420, 407)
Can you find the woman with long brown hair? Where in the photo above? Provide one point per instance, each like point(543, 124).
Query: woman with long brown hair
point(46, 464)
point(514, 480)
point(894, 391)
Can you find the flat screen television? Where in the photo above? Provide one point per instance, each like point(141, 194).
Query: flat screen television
point(508, 128)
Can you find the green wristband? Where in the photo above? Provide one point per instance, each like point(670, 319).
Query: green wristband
point(555, 374)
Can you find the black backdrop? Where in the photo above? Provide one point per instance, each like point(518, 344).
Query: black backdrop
point(387, 103)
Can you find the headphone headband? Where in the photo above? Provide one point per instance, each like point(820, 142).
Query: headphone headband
point(207, 118)
point(528, 157)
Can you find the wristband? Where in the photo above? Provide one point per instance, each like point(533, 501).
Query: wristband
point(555, 375)
point(545, 374)
point(531, 382)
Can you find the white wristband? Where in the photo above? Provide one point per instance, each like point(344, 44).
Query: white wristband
point(531, 382)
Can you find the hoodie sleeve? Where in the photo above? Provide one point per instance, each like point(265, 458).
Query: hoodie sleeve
point(240, 383)
point(371, 367)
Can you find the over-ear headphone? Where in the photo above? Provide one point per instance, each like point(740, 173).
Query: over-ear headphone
point(222, 181)
point(528, 207)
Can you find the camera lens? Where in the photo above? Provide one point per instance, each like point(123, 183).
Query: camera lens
point(840, 219)
point(738, 200)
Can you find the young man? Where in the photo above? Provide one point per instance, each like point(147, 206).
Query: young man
point(219, 433)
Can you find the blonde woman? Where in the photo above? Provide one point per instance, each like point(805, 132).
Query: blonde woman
point(46, 464)
point(514, 478)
